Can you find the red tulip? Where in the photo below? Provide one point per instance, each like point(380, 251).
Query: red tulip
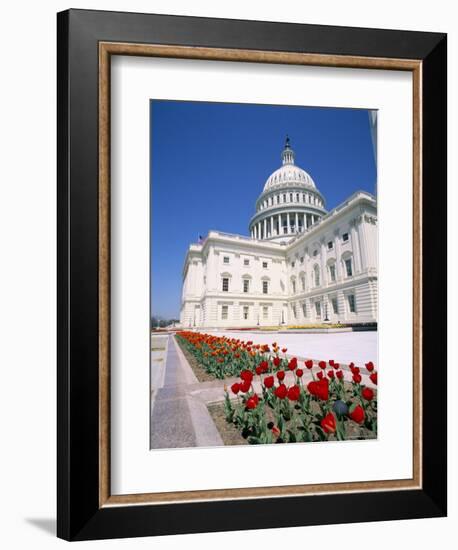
point(276, 431)
point(277, 361)
point(281, 392)
point(354, 370)
point(368, 394)
point(336, 366)
point(329, 423)
point(322, 364)
point(357, 378)
point(284, 350)
point(281, 375)
point(330, 374)
point(331, 362)
point(319, 389)
point(319, 375)
point(373, 377)
point(252, 402)
point(235, 388)
point(339, 374)
point(357, 414)
point(245, 386)
point(292, 365)
point(269, 381)
point(258, 370)
point(246, 375)
point(294, 393)
point(299, 373)
point(370, 366)
point(309, 363)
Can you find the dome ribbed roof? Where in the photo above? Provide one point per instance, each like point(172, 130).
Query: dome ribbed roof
point(289, 174)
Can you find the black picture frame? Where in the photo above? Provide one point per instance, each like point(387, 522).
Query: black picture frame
point(80, 516)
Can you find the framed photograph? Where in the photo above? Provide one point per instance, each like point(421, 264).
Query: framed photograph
point(247, 310)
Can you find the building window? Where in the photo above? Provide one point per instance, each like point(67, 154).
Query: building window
point(348, 267)
point(351, 303)
point(318, 309)
point(265, 287)
point(265, 312)
point(332, 272)
point(290, 197)
point(246, 261)
point(246, 285)
point(224, 312)
point(330, 245)
point(293, 285)
point(304, 309)
point(245, 312)
point(303, 283)
point(302, 259)
point(293, 307)
point(293, 264)
point(345, 237)
point(317, 275)
point(284, 198)
point(264, 265)
point(335, 306)
point(303, 197)
point(225, 284)
point(297, 197)
point(315, 253)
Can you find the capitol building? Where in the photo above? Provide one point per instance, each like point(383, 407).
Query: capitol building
point(300, 265)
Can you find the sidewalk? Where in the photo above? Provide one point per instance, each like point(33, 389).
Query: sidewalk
point(179, 416)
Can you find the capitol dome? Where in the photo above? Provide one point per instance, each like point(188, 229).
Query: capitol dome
point(289, 203)
point(288, 173)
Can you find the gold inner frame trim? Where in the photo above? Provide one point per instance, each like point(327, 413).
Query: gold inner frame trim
point(106, 50)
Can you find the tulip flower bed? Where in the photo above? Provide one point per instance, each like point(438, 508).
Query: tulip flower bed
point(326, 408)
point(222, 357)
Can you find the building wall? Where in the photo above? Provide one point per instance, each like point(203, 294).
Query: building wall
point(329, 263)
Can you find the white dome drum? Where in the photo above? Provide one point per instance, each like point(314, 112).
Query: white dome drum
point(289, 204)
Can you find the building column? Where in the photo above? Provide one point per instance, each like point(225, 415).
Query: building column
point(304, 223)
point(297, 223)
point(355, 245)
point(338, 255)
point(307, 268)
point(265, 228)
point(324, 277)
point(361, 231)
point(280, 229)
point(271, 221)
point(287, 222)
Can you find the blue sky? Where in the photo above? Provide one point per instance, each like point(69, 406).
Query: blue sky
point(209, 163)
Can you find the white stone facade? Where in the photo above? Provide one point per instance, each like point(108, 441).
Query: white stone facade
point(287, 273)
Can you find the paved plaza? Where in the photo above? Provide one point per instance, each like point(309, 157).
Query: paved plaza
point(343, 347)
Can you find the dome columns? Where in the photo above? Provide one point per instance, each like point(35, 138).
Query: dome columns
point(282, 224)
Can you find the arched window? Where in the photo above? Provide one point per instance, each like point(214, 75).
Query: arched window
point(302, 277)
point(316, 275)
point(347, 264)
point(332, 272)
